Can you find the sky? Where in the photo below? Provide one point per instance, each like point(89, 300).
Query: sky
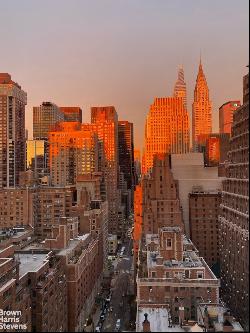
point(123, 52)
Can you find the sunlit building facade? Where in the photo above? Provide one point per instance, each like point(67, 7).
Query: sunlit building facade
point(202, 109)
point(104, 122)
point(212, 155)
point(71, 113)
point(180, 89)
point(167, 129)
point(137, 231)
point(73, 150)
point(12, 131)
point(226, 112)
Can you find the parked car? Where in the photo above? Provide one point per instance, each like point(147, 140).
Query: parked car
point(118, 325)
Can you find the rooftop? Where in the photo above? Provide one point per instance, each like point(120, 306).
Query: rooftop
point(158, 318)
point(31, 262)
point(216, 313)
point(72, 244)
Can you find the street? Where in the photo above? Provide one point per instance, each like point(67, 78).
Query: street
point(121, 293)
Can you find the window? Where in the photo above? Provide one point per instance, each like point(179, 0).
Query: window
point(169, 243)
point(200, 275)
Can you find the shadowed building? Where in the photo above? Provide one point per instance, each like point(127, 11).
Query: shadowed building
point(37, 157)
point(12, 131)
point(138, 165)
point(45, 117)
point(204, 224)
point(234, 216)
point(160, 198)
point(126, 152)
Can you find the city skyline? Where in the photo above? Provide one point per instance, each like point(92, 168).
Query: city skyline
point(139, 59)
point(124, 166)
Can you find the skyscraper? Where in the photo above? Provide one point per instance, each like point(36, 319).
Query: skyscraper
point(126, 152)
point(73, 150)
point(180, 89)
point(12, 131)
point(202, 109)
point(45, 117)
point(104, 121)
point(234, 217)
point(138, 165)
point(167, 129)
point(226, 112)
point(72, 113)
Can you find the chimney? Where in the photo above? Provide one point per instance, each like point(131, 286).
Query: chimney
point(146, 324)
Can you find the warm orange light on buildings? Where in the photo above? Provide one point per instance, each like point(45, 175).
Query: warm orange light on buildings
point(137, 155)
point(180, 89)
point(71, 113)
point(104, 122)
point(72, 151)
point(202, 109)
point(166, 130)
point(226, 112)
point(213, 151)
point(137, 218)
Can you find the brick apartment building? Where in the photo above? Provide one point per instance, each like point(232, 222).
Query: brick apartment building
point(36, 206)
point(234, 216)
point(34, 283)
point(171, 274)
point(204, 224)
point(160, 197)
point(54, 283)
point(14, 289)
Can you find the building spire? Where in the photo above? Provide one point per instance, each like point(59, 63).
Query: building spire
point(200, 65)
point(180, 86)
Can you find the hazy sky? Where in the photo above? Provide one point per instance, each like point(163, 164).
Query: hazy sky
point(123, 52)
